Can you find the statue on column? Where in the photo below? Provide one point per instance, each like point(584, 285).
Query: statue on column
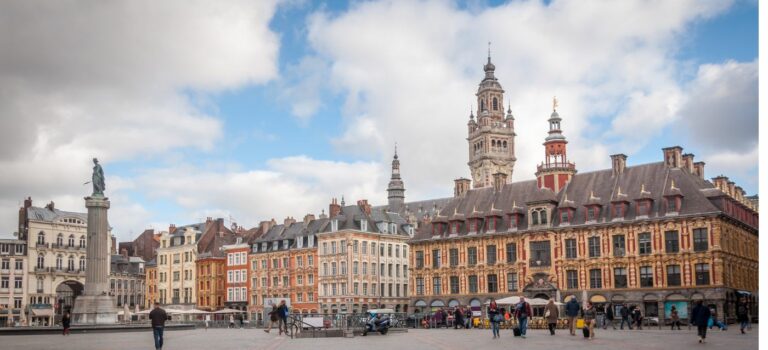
point(97, 179)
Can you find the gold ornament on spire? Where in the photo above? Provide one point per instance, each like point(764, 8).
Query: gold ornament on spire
point(554, 103)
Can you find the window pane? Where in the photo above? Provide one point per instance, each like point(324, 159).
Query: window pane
point(644, 243)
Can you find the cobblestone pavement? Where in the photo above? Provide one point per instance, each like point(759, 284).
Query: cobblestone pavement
point(439, 339)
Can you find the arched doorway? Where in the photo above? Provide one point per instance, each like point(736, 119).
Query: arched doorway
point(66, 293)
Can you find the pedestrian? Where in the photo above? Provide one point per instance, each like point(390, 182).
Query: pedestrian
point(459, 318)
point(717, 322)
point(637, 317)
point(609, 317)
point(600, 311)
point(590, 315)
point(158, 318)
point(272, 318)
point(494, 317)
point(240, 317)
point(282, 317)
point(207, 321)
point(551, 313)
point(625, 316)
point(468, 318)
point(66, 320)
point(700, 317)
point(572, 308)
point(231, 321)
point(523, 313)
point(742, 315)
point(675, 318)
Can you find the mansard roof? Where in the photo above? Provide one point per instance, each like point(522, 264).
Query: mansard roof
point(48, 215)
point(597, 187)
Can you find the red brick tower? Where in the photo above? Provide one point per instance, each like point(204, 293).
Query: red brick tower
point(556, 170)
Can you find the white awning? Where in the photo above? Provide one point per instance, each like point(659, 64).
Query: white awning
point(42, 312)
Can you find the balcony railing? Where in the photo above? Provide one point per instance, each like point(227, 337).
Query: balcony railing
point(539, 263)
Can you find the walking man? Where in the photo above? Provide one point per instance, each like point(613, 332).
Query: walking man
point(625, 316)
point(609, 317)
point(700, 317)
point(523, 313)
point(675, 318)
point(742, 315)
point(158, 318)
point(572, 308)
point(66, 320)
point(282, 314)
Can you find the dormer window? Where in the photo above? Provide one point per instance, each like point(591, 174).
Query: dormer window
point(643, 208)
point(565, 216)
point(275, 245)
point(334, 225)
point(285, 244)
point(672, 204)
point(593, 212)
point(455, 227)
point(619, 210)
point(393, 228)
point(311, 241)
point(538, 217)
point(363, 225)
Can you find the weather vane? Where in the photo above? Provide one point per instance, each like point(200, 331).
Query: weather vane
point(554, 103)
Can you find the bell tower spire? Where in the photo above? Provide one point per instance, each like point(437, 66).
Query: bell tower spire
point(556, 170)
point(492, 137)
point(396, 188)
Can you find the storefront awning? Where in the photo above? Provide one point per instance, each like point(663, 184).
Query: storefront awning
point(676, 297)
point(597, 299)
point(438, 303)
point(42, 312)
point(697, 296)
point(421, 303)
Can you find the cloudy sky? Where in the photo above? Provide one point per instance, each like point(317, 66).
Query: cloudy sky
point(251, 110)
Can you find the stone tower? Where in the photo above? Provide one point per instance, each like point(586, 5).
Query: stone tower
point(492, 137)
point(396, 188)
point(556, 170)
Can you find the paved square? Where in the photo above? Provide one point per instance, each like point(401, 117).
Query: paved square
point(441, 339)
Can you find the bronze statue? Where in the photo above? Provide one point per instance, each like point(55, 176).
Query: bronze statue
point(97, 179)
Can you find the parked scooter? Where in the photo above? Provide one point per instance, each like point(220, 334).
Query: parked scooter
point(377, 322)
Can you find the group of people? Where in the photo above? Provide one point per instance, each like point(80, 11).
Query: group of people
point(521, 312)
point(279, 315)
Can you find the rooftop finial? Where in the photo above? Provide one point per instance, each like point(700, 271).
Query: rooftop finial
point(395, 149)
point(489, 52)
point(554, 103)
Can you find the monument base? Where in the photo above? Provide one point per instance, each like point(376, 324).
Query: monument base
point(94, 310)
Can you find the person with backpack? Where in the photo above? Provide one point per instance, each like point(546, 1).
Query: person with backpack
point(673, 315)
point(572, 309)
point(742, 315)
point(625, 316)
point(494, 317)
point(523, 313)
point(700, 317)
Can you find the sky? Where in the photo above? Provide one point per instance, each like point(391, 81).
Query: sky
point(253, 110)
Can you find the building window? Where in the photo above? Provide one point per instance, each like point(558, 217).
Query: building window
point(493, 283)
point(540, 253)
point(646, 276)
point(40, 261)
point(572, 277)
point(490, 254)
point(472, 256)
point(592, 213)
point(620, 277)
point(700, 240)
point(512, 282)
point(453, 257)
point(594, 247)
point(41, 238)
point(364, 247)
point(454, 285)
point(595, 279)
point(435, 258)
point(419, 286)
point(672, 204)
point(511, 252)
point(564, 217)
point(619, 245)
point(702, 274)
point(570, 248)
point(419, 259)
point(333, 269)
point(472, 282)
point(436, 285)
point(644, 243)
point(673, 275)
point(495, 104)
point(71, 241)
point(671, 242)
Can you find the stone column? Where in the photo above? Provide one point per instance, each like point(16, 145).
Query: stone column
point(96, 306)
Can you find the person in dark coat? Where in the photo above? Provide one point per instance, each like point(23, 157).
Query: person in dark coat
point(742, 314)
point(609, 317)
point(523, 314)
point(625, 316)
point(493, 316)
point(67, 319)
point(700, 317)
point(673, 314)
point(572, 309)
point(459, 318)
point(158, 317)
point(551, 313)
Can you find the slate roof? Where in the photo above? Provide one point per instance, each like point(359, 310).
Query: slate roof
point(47, 215)
point(597, 187)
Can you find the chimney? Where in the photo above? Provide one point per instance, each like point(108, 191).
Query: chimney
point(264, 226)
point(461, 186)
point(288, 221)
point(124, 253)
point(28, 202)
point(171, 229)
point(619, 162)
point(688, 162)
point(50, 206)
point(307, 219)
point(732, 189)
point(364, 206)
point(208, 220)
point(334, 208)
point(499, 179)
point(698, 169)
point(739, 194)
point(673, 156)
point(721, 182)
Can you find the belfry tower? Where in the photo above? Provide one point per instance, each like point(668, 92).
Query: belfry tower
point(556, 170)
point(396, 188)
point(492, 137)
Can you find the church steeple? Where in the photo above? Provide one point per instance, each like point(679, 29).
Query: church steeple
point(492, 137)
point(556, 170)
point(396, 188)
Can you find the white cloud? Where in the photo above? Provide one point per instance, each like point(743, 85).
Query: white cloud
point(117, 80)
point(409, 70)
